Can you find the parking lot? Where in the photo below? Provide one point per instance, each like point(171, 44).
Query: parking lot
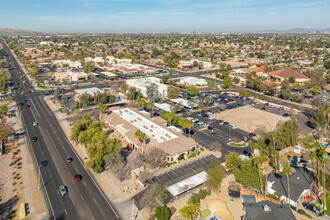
point(249, 118)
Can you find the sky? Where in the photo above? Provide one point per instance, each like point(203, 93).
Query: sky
point(135, 16)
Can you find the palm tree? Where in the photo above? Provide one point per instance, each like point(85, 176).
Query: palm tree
point(287, 170)
point(319, 151)
point(250, 144)
point(140, 135)
point(312, 157)
point(183, 124)
point(323, 157)
point(169, 116)
point(150, 106)
point(274, 136)
point(259, 161)
point(189, 124)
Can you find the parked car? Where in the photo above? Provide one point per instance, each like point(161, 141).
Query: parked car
point(266, 104)
point(314, 208)
point(226, 123)
point(214, 134)
point(281, 108)
point(63, 190)
point(210, 127)
point(252, 134)
point(272, 106)
point(263, 109)
point(285, 115)
point(234, 127)
point(219, 121)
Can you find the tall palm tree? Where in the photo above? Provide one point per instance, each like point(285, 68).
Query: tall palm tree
point(287, 170)
point(183, 124)
point(189, 124)
point(274, 136)
point(313, 157)
point(150, 106)
point(323, 157)
point(319, 151)
point(259, 161)
point(140, 135)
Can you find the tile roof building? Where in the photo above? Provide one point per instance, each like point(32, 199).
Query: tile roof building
point(280, 75)
point(126, 121)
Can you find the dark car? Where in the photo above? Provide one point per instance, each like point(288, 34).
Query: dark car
point(77, 177)
point(314, 208)
point(43, 163)
point(210, 127)
point(266, 104)
point(214, 134)
point(285, 115)
point(263, 109)
point(34, 138)
point(252, 134)
point(226, 123)
point(205, 115)
point(28, 106)
point(219, 121)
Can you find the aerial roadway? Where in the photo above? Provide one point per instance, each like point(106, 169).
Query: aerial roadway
point(55, 160)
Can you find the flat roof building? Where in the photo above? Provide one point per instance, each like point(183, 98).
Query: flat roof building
point(70, 76)
point(126, 121)
point(189, 81)
point(90, 91)
point(142, 84)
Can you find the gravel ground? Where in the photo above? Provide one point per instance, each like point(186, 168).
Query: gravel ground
point(6, 184)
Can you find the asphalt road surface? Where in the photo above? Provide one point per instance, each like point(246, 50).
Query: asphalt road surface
point(85, 199)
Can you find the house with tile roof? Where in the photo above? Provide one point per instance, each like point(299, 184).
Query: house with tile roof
point(280, 75)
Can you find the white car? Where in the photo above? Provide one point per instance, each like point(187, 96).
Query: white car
point(272, 106)
point(211, 118)
point(35, 123)
point(234, 127)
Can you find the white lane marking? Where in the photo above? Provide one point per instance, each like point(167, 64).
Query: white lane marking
point(95, 201)
point(65, 212)
point(84, 183)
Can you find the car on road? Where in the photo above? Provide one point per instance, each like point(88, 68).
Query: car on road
point(35, 123)
point(77, 177)
point(313, 208)
point(214, 134)
point(272, 106)
point(263, 109)
point(285, 115)
point(63, 190)
point(234, 127)
point(34, 138)
point(43, 163)
point(28, 106)
point(266, 104)
point(19, 132)
point(281, 108)
point(68, 159)
point(22, 93)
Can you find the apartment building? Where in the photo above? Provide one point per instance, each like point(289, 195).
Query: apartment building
point(142, 84)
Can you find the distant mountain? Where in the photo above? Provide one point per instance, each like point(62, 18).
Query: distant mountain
point(298, 30)
point(9, 31)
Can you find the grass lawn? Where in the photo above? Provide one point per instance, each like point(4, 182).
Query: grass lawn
point(205, 213)
point(319, 204)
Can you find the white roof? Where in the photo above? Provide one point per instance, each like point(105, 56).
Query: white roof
point(183, 102)
point(110, 74)
point(148, 127)
point(89, 91)
point(187, 184)
point(163, 106)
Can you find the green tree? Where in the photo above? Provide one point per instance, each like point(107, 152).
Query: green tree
point(285, 84)
point(288, 171)
point(233, 160)
point(162, 213)
point(165, 79)
point(154, 195)
point(89, 67)
point(192, 90)
point(323, 157)
point(140, 135)
point(316, 89)
point(102, 108)
point(215, 174)
point(191, 211)
point(227, 83)
point(173, 93)
point(150, 106)
point(320, 119)
point(132, 94)
point(236, 80)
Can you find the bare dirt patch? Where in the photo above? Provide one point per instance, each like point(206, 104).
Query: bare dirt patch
point(249, 119)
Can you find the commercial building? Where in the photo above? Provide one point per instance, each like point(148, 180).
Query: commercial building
point(113, 60)
point(130, 68)
point(70, 76)
point(90, 91)
point(143, 83)
point(71, 64)
point(189, 81)
point(280, 75)
point(126, 121)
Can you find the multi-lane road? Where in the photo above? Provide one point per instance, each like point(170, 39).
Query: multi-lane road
point(85, 199)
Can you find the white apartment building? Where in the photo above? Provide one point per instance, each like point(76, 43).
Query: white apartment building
point(95, 60)
point(192, 81)
point(113, 60)
point(142, 84)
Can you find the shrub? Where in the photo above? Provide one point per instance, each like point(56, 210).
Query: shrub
point(20, 163)
point(194, 198)
point(300, 211)
point(205, 213)
point(202, 149)
point(203, 193)
point(14, 183)
point(12, 163)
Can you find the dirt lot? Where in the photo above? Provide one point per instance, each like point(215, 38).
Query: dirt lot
point(248, 119)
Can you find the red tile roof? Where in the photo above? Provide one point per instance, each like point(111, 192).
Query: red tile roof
point(286, 73)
